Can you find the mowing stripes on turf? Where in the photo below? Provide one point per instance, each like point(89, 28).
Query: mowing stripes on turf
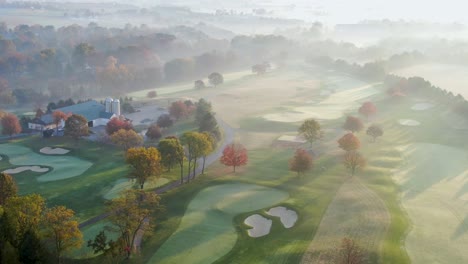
point(355, 212)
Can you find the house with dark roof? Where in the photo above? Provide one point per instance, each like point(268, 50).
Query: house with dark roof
point(93, 111)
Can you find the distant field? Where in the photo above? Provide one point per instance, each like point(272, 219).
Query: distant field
point(453, 78)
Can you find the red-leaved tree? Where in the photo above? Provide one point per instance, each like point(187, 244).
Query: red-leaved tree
point(234, 155)
point(10, 125)
point(353, 124)
point(368, 109)
point(301, 162)
point(349, 142)
point(116, 123)
point(178, 109)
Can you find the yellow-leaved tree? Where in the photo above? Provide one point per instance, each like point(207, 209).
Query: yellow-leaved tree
point(145, 162)
point(131, 215)
point(62, 229)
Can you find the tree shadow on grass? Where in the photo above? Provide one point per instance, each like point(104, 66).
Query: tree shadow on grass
point(429, 164)
point(461, 230)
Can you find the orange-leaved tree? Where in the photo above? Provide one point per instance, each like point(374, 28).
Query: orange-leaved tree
point(117, 123)
point(349, 142)
point(368, 109)
point(301, 162)
point(10, 125)
point(353, 124)
point(234, 155)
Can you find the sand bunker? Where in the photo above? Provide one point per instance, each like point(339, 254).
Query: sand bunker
point(408, 122)
point(288, 217)
point(422, 106)
point(260, 225)
point(26, 168)
point(53, 151)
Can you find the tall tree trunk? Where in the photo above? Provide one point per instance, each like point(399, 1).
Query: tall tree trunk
point(194, 167)
point(203, 168)
point(188, 174)
point(234, 168)
point(181, 172)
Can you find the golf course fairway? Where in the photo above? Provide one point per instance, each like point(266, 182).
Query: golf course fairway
point(206, 232)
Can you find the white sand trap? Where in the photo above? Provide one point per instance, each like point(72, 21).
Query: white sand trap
point(26, 168)
point(422, 106)
point(53, 151)
point(288, 217)
point(408, 122)
point(293, 139)
point(260, 225)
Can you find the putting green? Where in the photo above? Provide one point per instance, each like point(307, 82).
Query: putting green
point(355, 212)
point(206, 232)
point(64, 167)
point(125, 184)
point(434, 181)
point(332, 107)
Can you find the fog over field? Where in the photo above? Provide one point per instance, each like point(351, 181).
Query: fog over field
point(219, 131)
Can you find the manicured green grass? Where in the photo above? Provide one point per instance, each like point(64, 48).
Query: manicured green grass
point(208, 221)
point(62, 166)
point(83, 193)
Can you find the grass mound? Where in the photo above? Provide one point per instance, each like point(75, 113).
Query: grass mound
point(434, 181)
point(208, 221)
point(64, 167)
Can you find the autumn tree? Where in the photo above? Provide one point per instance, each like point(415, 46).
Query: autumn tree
point(196, 147)
point(145, 163)
point(152, 94)
point(76, 126)
point(62, 229)
point(353, 160)
point(368, 109)
point(310, 130)
point(178, 110)
point(215, 78)
point(10, 125)
point(126, 139)
point(353, 124)
point(8, 187)
point(6, 94)
point(164, 121)
point(116, 124)
point(375, 131)
point(350, 252)
point(172, 152)
point(154, 132)
point(261, 68)
point(131, 213)
point(23, 213)
point(199, 84)
point(209, 124)
point(234, 155)
point(209, 145)
point(349, 142)
point(58, 116)
point(301, 162)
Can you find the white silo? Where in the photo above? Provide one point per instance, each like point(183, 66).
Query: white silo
point(109, 102)
point(116, 107)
